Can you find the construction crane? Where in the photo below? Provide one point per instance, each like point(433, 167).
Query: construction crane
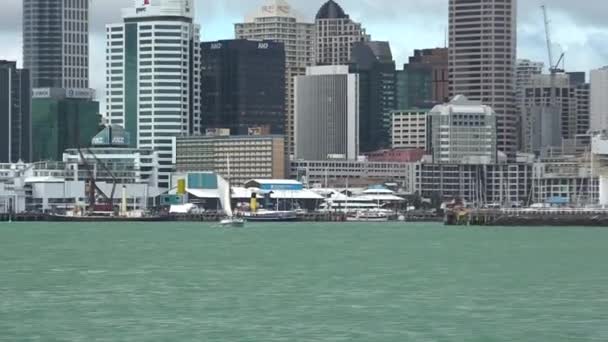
point(554, 68)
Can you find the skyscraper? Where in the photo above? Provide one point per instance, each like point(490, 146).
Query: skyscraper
point(336, 33)
point(153, 76)
point(435, 62)
point(243, 86)
point(524, 70)
point(545, 124)
point(374, 63)
point(599, 99)
point(327, 114)
point(56, 42)
point(15, 114)
point(482, 60)
point(277, 21)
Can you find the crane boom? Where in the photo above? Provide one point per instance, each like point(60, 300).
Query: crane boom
point(548, 37)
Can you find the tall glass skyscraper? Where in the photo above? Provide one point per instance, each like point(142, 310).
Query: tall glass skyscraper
point(153, 76)
point(56, 43)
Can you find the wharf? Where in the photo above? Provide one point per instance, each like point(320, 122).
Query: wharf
point(527, 217)
point(204, 217)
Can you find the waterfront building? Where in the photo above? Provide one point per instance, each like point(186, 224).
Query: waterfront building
point(599, 99)
point(238, 158)
point(463, 132)
point(15, 114)
point(355, 173)
point(62, 119)
point(327, 114)
point(56, 43)
point(373, 62)
point(277, 21)
point(409, 129)
point(423, 82)
point(54, 187)
point(112, 159)
point(335, 35)
point(397, 155)
point(243, 85)
point(482, 36)
point(153, 76)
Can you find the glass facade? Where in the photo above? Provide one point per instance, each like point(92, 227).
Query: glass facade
point(59, 124)
point(243, 85)
point(131, 88)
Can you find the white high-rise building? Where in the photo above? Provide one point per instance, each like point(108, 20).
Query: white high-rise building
point(153, 76)
point(482, 60)
point(599, 99)
point(276, 20)
point(327, 114)
point(463, 132)
point(336, 33)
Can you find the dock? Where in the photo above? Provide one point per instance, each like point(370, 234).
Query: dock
point(527, 217)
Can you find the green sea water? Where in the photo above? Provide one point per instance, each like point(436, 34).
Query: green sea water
point(302, 282)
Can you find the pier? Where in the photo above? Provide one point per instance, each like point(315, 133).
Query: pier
point(527, 217)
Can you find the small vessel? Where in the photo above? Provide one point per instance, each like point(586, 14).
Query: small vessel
point(272, 216)
point(226, 199)
point(232, 222)
point(369, 216)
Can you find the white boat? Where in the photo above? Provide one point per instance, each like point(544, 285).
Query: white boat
point(369, 216)
point(226, 200)
point(232, 222)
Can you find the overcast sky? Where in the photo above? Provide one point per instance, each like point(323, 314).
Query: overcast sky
point(579, 27)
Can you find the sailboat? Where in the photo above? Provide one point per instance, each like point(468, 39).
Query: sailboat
point(226, 200)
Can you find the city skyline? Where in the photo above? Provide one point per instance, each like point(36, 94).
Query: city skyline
point(578, 28)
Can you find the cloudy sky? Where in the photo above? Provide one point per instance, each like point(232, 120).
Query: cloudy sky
point(579, 27)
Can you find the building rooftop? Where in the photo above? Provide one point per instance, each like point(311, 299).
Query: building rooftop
point(331, 10)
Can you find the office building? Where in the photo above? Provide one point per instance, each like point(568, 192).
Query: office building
point(341, 173)
point(546, 124)
point(15, 114)
point(243, 85)
point(239, 158)
point(111, 159)
point(277, 21)
point(582, 122)
point(336, 33)
point(153, 76)
point(599, 99)
point(373, 62)
point(62, 119)
point(524, 70)
point(423, 82)
point(463, 132)
point(56, 43)
point(327, 114)
point(482, 36)
point(409, 129)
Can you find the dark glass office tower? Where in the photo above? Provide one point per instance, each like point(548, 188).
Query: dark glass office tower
point(56, 43)
point(243, 86)
point(374, 63)
point(15, 114)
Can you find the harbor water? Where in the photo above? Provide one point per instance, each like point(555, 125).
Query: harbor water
point(302, 282)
